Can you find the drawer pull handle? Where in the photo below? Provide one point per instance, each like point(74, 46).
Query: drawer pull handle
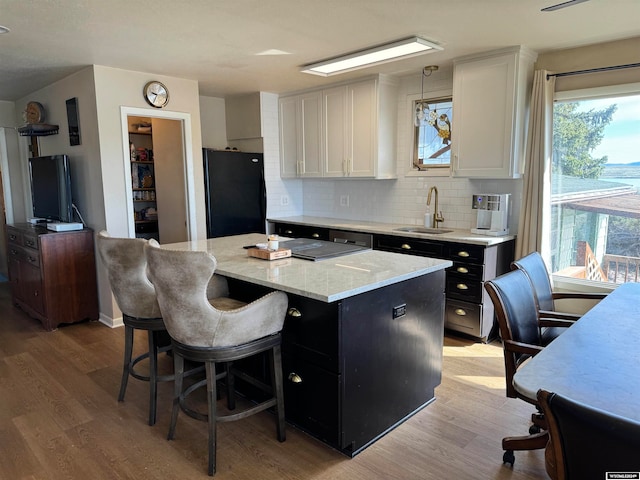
point(31, 259)
point(13, 237)
point(294, 312)
point(463, 253)
point(295, 378)
point(288, 232)
point(406, 246)
point(30, 243)
point(462, 286)
point(462, 270)
point(315, 235)
point(460, 312)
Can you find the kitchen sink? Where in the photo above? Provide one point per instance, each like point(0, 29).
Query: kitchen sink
point(422, 230)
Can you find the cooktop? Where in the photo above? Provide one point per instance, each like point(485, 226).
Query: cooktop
point(310, 249)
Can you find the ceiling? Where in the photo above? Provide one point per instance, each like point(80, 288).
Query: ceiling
point(217, 42)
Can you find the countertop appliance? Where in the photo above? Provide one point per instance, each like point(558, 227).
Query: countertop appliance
point(311, 249)
point(235, 192)
point(492, 213)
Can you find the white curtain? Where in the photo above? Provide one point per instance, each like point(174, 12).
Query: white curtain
point(535, 216)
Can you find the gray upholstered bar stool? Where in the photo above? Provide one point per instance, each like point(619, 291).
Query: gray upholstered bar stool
point(126, 265)
point(210, 332)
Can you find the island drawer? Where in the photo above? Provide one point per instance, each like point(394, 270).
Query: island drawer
point(463, 317)
point(311, 331)
point(312, 398)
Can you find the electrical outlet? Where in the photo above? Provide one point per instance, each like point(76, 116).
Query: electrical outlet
point(344, 200)
point(284, 200)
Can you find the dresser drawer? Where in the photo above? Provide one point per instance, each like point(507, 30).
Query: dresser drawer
point(30, 241)
point(14, 236)
point(463, 317)
point(31, 256)
point(464, 288)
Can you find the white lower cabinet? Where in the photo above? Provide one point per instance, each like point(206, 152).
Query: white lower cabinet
point(344, 131)
point(490, 107)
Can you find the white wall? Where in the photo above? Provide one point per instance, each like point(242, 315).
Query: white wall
point(213, 122)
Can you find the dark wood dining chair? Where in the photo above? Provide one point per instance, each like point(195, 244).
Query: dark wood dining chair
point(522, 337)
point(586, 442)
point(535, 268)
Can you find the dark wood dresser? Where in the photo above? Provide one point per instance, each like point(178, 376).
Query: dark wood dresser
point(53, 274)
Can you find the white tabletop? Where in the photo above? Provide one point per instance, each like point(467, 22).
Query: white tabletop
point(597, 360)
point(326, 280)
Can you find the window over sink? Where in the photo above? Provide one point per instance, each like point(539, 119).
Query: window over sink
point(433, 120)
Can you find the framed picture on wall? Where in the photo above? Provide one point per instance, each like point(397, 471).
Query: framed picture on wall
point(73, 122)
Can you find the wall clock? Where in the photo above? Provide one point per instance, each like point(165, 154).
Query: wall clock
point(34, 113)
point(156, 94)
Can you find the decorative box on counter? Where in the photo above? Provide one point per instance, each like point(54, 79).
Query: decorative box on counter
point(265, 254)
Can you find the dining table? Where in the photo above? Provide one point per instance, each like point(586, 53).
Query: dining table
point(596, 361)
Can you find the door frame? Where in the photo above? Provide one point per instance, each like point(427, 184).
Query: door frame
point(190, 200)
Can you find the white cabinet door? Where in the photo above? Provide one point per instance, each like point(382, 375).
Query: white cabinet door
point(310, 138)
point(334, 141)
point(288, 114)
point(490, 109)
point(301, 135)
point(362, 129)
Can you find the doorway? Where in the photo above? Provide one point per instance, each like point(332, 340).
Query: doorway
point(8, 141)
point(169, 143)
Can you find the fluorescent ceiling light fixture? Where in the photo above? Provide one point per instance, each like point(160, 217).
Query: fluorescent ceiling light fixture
point(408, 47)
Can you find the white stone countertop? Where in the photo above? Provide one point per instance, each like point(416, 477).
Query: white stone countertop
point(456, 235)
point(327, 280)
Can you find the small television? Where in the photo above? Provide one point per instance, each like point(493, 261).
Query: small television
point(51, 188)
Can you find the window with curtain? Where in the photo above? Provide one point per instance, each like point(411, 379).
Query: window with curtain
point(595, 184)
point(432, 137)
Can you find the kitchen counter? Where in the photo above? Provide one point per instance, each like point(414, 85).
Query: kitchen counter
point(456, 235)
point(362, 338)
point(326, 280)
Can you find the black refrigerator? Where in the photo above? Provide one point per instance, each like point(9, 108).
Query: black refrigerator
point(235, 192)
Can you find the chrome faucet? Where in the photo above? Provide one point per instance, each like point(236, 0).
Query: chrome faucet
point(437, 216)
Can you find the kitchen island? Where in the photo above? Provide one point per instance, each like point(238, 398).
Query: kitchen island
point(362, 340)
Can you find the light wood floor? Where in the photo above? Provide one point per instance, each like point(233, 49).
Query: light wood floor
point(59, 419)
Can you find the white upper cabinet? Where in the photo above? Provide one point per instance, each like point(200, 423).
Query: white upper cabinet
point(301, 135)
point(490, 107)
point(356, 124)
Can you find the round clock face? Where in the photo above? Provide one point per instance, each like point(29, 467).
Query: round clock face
point(156, 94)
point(34, 113)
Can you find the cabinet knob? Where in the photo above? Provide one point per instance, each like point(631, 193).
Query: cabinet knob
point(315, 235)
point(460, 312)
point(462, 286)
point(463, 253)
point(288, 232)
point(462, 270)
point(295, 378)
point(294, 312)
point(406, 246)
